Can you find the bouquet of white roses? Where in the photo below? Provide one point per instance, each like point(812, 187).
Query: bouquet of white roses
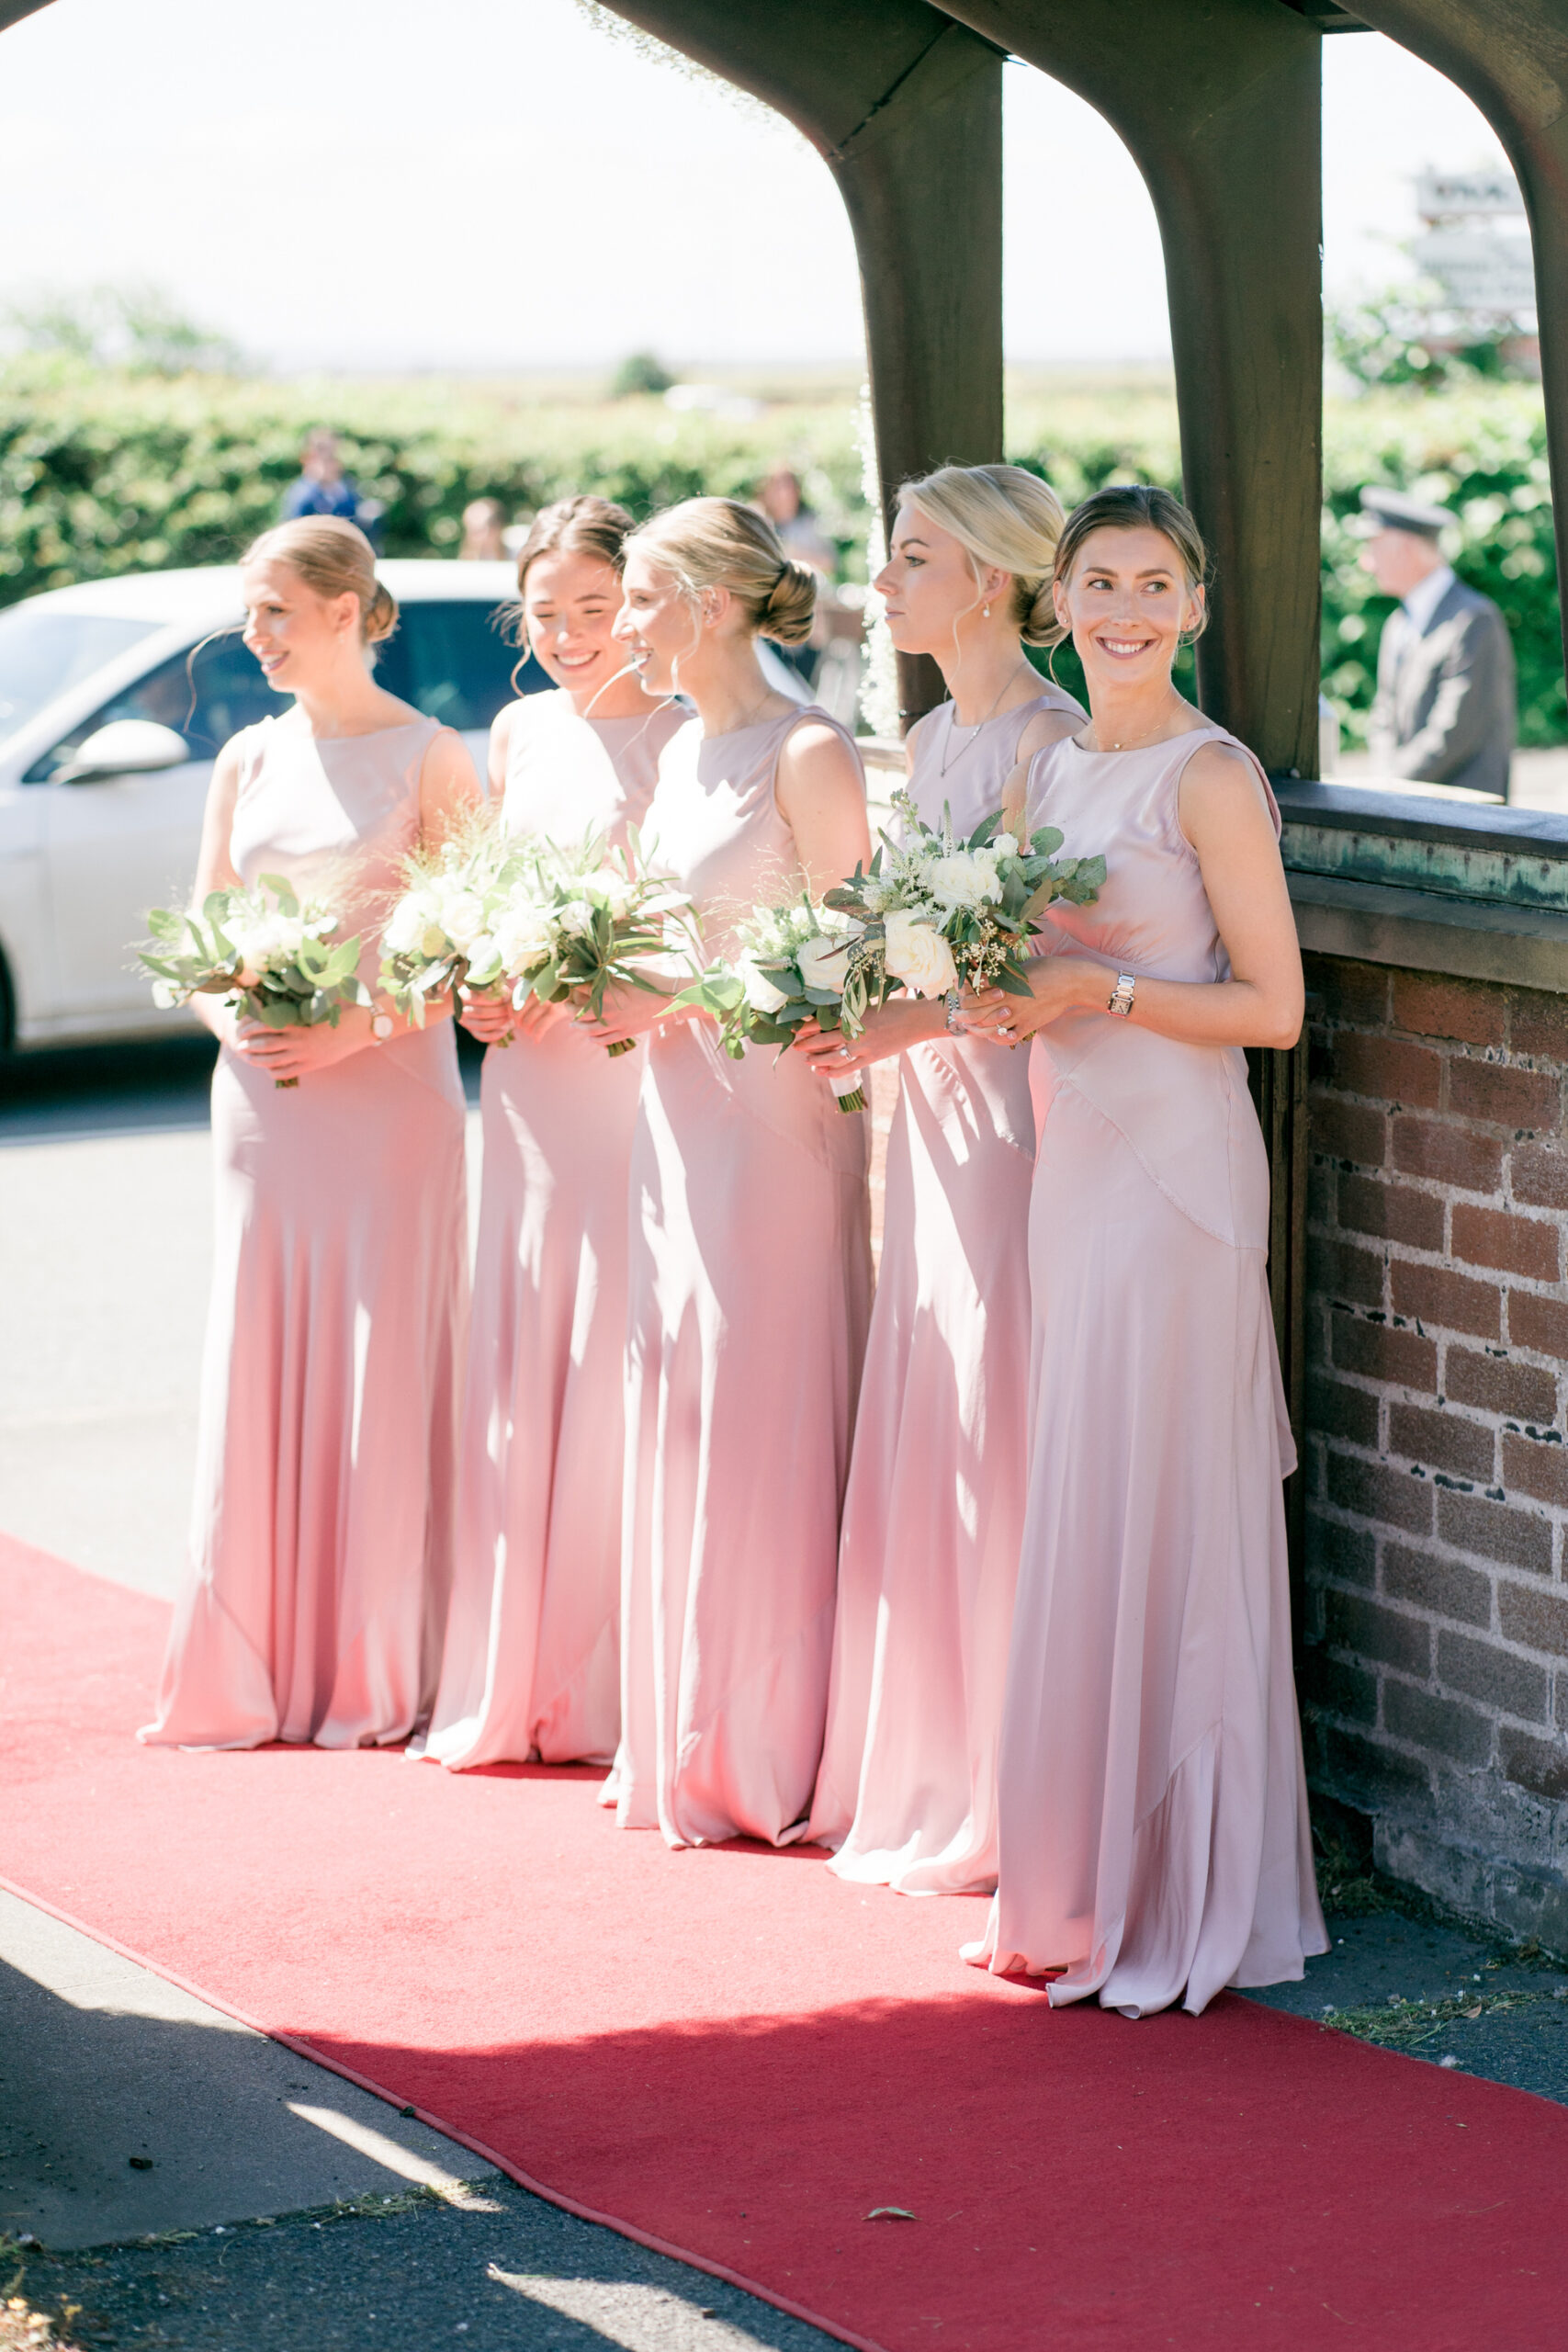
point(441, 932)
point(574, 924)
point(943, 914)
point(795, 963)
point(273, 954)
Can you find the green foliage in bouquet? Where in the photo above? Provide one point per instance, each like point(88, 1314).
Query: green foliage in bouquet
point(270, 953)
point(794, 963)
point(596, 922)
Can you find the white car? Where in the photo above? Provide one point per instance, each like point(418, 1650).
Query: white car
point(108, 730)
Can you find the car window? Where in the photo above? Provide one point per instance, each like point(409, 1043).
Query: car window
point(205, 697)
point(451, 660)
point(42, 653)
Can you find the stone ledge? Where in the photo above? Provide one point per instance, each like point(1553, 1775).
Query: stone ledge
point(1470, 938)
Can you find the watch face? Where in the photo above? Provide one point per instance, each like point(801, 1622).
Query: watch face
point(382, 1026)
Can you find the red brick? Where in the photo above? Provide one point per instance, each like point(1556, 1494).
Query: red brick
point(1349, 1131)
point(1539, 1176)
point(1388, 1070)
point(1390, 1212)
point(1338, 1270)
point(1513, 1685)
point(1516, 1245)
point(1334, 1550)
point(1539, 1765)
point(1537, 1024)
point(1448, 1587)
point(1435, 1008)
point(1447, 1153)
point(1452, 1302)
point(1503, 1096)
point(1532, 1469)
point(1357, 993)
point(1387, 1636)
point(1537, 1620)
point(1498, 1385)
point(1335, 1409)
point(1475, 1524)
point(1372, 1490)
point(1384, 1352)
point(1539, 1323)
point(1441, 1441)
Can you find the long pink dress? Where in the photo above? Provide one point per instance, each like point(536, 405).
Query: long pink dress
point(1154, 1832)
point(532, 1662)
point(934, 1511)
point(320, 1540)
point(749, 1290)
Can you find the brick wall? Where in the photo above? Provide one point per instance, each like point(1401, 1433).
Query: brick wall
point(1435, 1682)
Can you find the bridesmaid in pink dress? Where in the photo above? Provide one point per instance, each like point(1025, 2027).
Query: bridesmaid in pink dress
point(751, 1260)
point(532, 1663)
point(320, 1561)
point(934, 1511)
point(1154, 1836)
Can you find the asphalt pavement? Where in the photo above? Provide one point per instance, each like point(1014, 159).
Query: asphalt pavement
point(169, 2178)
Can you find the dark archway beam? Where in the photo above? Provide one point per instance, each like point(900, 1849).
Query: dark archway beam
point(904, 108)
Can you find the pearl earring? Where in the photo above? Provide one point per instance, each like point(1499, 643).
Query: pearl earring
point(986, 610)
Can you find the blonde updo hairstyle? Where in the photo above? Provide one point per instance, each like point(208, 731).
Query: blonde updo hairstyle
point(1005, 518)
point(1136, 506)
point(718, 543)
point(333, 558)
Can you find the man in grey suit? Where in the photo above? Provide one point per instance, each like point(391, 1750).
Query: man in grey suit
point(1446, 710)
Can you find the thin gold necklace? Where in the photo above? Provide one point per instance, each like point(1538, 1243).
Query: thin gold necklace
point(1141, 745)
point(974, 729)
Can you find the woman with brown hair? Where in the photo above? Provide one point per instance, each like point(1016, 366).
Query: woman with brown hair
point(532, 1664)
point(1153, 1843)
point(322, 1528)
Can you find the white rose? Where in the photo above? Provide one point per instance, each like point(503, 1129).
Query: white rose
point(462, 916)
point(576, 915)
point(968, 878)
point(1005, 845)
point(919, 956)
point(522, 938)
point(613, 888)
point(824, 963)
point(406, 930)
point(164, 996)
point(762, 994)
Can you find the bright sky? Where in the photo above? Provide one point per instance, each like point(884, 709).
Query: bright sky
point(493, 183)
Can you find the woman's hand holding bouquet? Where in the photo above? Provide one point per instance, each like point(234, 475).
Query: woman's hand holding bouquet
point(797, 969)
point(587, 926)
point(273, 956)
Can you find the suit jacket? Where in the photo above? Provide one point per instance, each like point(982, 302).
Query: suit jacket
point(1446, 710)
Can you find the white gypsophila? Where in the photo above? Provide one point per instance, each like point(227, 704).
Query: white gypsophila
point(918, 955)
point(760, 994)
point(823, 962)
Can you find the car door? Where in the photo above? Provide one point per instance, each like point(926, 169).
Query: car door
point(117, 845)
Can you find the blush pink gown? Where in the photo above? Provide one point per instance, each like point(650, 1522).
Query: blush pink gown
point(1153, 1833)
point(321, 1543)
point(532, 1662)
point(750, 1289)
point(934, 1509)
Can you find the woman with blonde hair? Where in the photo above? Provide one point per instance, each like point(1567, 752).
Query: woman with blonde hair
point(317, 1581)
point(750, 1263)
point(532, 1663)
point(1154, 1836)
point(934, 1509)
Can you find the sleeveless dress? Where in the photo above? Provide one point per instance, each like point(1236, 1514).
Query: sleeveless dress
point(1154, 1832)
point(532, 1662)
point(321, 1543)
point(750, 1289)
point(934, 1509)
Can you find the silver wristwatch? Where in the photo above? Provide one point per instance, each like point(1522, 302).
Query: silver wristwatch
point(381, 1027)
point(1121, 999)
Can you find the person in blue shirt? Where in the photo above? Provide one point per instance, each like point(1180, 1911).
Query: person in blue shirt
point(323, 487)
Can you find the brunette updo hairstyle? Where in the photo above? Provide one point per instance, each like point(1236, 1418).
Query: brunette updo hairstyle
point(719, 543)
point(1001, 516)
point(335, 558)
point(1136, 506)
point(580, 525)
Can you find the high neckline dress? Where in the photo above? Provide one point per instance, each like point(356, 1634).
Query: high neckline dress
point(749, 1283)
point(320, 1557)
point(532, 1662)
point(934, 1511)
point(1154, 1837)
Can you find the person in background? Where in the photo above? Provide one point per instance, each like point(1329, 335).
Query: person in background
point(484, 525)
point(782, 500)
point(1446, 710)
point(323, 487)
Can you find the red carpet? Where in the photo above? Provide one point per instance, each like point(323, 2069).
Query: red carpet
point(733, 2056)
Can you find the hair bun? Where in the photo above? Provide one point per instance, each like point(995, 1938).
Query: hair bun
point(380, 615)
point(1039, 626)
point(787, 614)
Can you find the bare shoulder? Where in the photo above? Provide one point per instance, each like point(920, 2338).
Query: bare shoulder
point(1221, 787)
point(1046, 726)
point(815, 750)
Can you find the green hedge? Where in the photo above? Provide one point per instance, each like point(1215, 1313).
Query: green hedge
point(102, 473)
